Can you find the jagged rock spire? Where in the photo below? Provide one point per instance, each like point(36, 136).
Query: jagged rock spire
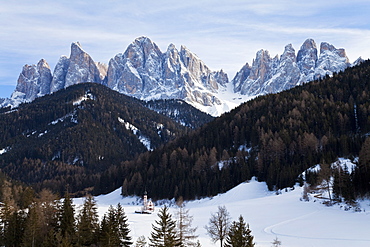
point(269, 75)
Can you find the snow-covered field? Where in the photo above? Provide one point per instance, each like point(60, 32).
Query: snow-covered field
point(293, 221)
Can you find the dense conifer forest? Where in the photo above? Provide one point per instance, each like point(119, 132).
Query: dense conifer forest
point(71, 136)
point(274, 137)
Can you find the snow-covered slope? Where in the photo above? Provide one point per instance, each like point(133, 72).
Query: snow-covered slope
point(283, 215)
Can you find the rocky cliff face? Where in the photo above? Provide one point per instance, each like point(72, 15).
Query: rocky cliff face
point(144, 72)
point(81, 67)
point(272, 75)
point(37, 80)
point(59, 78)
point(33, 81)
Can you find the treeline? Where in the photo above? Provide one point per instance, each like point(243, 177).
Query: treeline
point(42, 219)
point(274, 137)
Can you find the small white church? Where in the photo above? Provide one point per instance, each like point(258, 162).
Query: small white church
point(148, 205)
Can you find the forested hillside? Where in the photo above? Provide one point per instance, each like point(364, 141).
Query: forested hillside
point(274, 137)
point(92, 139)
point(73, 135)
point(180, 111)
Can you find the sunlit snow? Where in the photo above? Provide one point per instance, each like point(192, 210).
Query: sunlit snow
point(283, 215)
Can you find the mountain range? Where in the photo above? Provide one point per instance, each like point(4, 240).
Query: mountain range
point(145, 72)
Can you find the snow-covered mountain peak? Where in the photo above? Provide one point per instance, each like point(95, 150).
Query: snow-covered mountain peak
point(272, 75)
point(289, 53)
point(145, 72)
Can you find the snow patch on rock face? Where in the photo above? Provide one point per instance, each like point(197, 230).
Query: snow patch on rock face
point(330, 60)
point(273, 75)
point(81, 67)
point(37, 80)
point(34, 81)
point(59, 77)
point(144, 72)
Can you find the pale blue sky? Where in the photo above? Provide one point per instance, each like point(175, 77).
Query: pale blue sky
point(225, 34)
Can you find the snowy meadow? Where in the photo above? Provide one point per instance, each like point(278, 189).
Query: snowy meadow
point(270, 215)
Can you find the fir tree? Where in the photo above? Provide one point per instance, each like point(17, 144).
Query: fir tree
point(164, 234)
point(123, 227)
point(114, 228)
point(239, 235)
point(67, 221)
point(87, 227)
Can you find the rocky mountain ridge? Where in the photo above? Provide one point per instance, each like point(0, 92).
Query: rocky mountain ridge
point(273, 75)
point(145, 72)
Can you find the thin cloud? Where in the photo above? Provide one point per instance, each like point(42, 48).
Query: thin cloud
point(224, 34)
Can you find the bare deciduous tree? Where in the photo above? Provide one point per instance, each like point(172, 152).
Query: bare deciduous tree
point(219, 224)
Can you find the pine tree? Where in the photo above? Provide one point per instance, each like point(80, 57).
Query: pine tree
point(164, 234)
point(67, 221)
point(104, 232)
point(239, 235)
point(33, 225)
point(114, 228)
point(123, 227)
point(219, 225)
point(184, 220)
point(88, 227)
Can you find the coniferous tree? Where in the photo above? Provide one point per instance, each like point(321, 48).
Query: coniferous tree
point(49, 210)
point(239, 235)
point(325, 175)
point(87, 226)
point(362, 171)
point(123, 227)
point(104, 232)
point(31, 236)
point(141, 242)
point(164, 233)
point(114, 228)
point(67, 221)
